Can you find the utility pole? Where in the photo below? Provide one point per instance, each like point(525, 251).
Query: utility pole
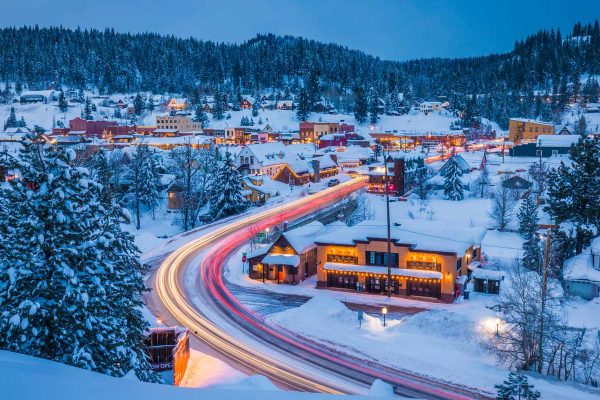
point(544, 295)
point(389, 240)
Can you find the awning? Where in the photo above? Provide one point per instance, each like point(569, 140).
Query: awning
point(488, 274)
point(370, 269)
point(282, 259)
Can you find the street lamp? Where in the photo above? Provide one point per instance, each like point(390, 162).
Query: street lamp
point(498, 326)
point(267, 235)
point(384, 312)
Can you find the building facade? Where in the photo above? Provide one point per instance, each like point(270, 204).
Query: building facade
point(522, 130)
point(312, 131)
point(179, 123)
point(355, 259)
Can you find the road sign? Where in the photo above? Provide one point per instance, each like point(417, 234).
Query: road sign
point(361, 315)
point(244, 258)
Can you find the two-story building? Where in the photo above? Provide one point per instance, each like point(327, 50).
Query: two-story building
point(312, 131)
point(522, 130)
point(178, 104)
point(424, 263)
point(177, 123)
point(292, 257)
point(261, 159)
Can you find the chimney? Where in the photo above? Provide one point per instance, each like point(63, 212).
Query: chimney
point(317, 170)
point(285, 226)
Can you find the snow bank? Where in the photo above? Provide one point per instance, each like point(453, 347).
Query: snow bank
point(30, 378)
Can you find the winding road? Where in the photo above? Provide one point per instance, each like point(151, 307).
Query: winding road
point(189, 286)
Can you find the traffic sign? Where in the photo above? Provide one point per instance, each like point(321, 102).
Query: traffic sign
point(361, 315)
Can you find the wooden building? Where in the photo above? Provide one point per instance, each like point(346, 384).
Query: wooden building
point(292, 257)
point(423, 263)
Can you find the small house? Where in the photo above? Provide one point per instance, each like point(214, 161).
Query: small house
point(582, 272)
point(291, 258)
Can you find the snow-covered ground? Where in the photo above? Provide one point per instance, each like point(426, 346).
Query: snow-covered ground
point(29, 378)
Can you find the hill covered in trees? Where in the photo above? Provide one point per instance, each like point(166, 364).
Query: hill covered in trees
point(536, 79)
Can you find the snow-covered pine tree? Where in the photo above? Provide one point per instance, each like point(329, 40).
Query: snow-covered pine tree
point(453, 187)
point(528, 227)
point(138, 104)
point(361, 105)
point(303, 109)
point(373, 106)
point(573, 191)
point(218, 106)
point(102, 172)
point(70, 283)
point(11, 122)
point(63, 104)
point(227, 199)
point(255, 108)
point(86, 113)
point(516, 388)
point(139, 174)
point(151, 183)
point(200, 115)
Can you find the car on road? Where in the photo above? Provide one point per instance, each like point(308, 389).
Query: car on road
point(333, 182)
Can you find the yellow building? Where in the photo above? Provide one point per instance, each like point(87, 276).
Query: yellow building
point(527, 130)
point(178, 123)
point(176, 104)
point(424, 263)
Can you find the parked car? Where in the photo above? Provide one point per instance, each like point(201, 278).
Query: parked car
point(333, 182)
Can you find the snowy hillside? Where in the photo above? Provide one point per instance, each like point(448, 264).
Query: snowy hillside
point(29, 378)
point(45, 115)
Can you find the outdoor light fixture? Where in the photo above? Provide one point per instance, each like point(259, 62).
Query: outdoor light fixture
point(384, 312)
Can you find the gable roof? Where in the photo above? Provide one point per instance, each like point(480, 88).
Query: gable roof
point(424, 236)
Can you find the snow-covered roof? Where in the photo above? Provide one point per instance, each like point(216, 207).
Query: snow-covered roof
point(557, 140)
point(287, 103)
point(503, 246)
point(579, 268)
point(481, 273)
point(424, 236)
point(267, 185)
point(532, 121)
point(412, 273)
point(268, 153)
point(349, 153)
point(282, 259)
point(17, 130)
point(302, 238)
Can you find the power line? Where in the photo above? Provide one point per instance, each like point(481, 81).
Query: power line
point(442, 237)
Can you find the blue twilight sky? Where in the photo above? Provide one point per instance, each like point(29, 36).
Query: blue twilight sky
point(391, 29)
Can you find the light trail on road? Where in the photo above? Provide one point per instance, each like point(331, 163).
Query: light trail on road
point(277, 354)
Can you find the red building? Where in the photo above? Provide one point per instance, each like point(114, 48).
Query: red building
point(91, 128)
point(345, 128)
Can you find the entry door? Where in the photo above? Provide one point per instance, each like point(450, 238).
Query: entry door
point(280, 272)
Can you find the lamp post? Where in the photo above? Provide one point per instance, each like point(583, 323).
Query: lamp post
point(387, 205)
point(267, 235)
point(384, 312)
point(497, 327)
